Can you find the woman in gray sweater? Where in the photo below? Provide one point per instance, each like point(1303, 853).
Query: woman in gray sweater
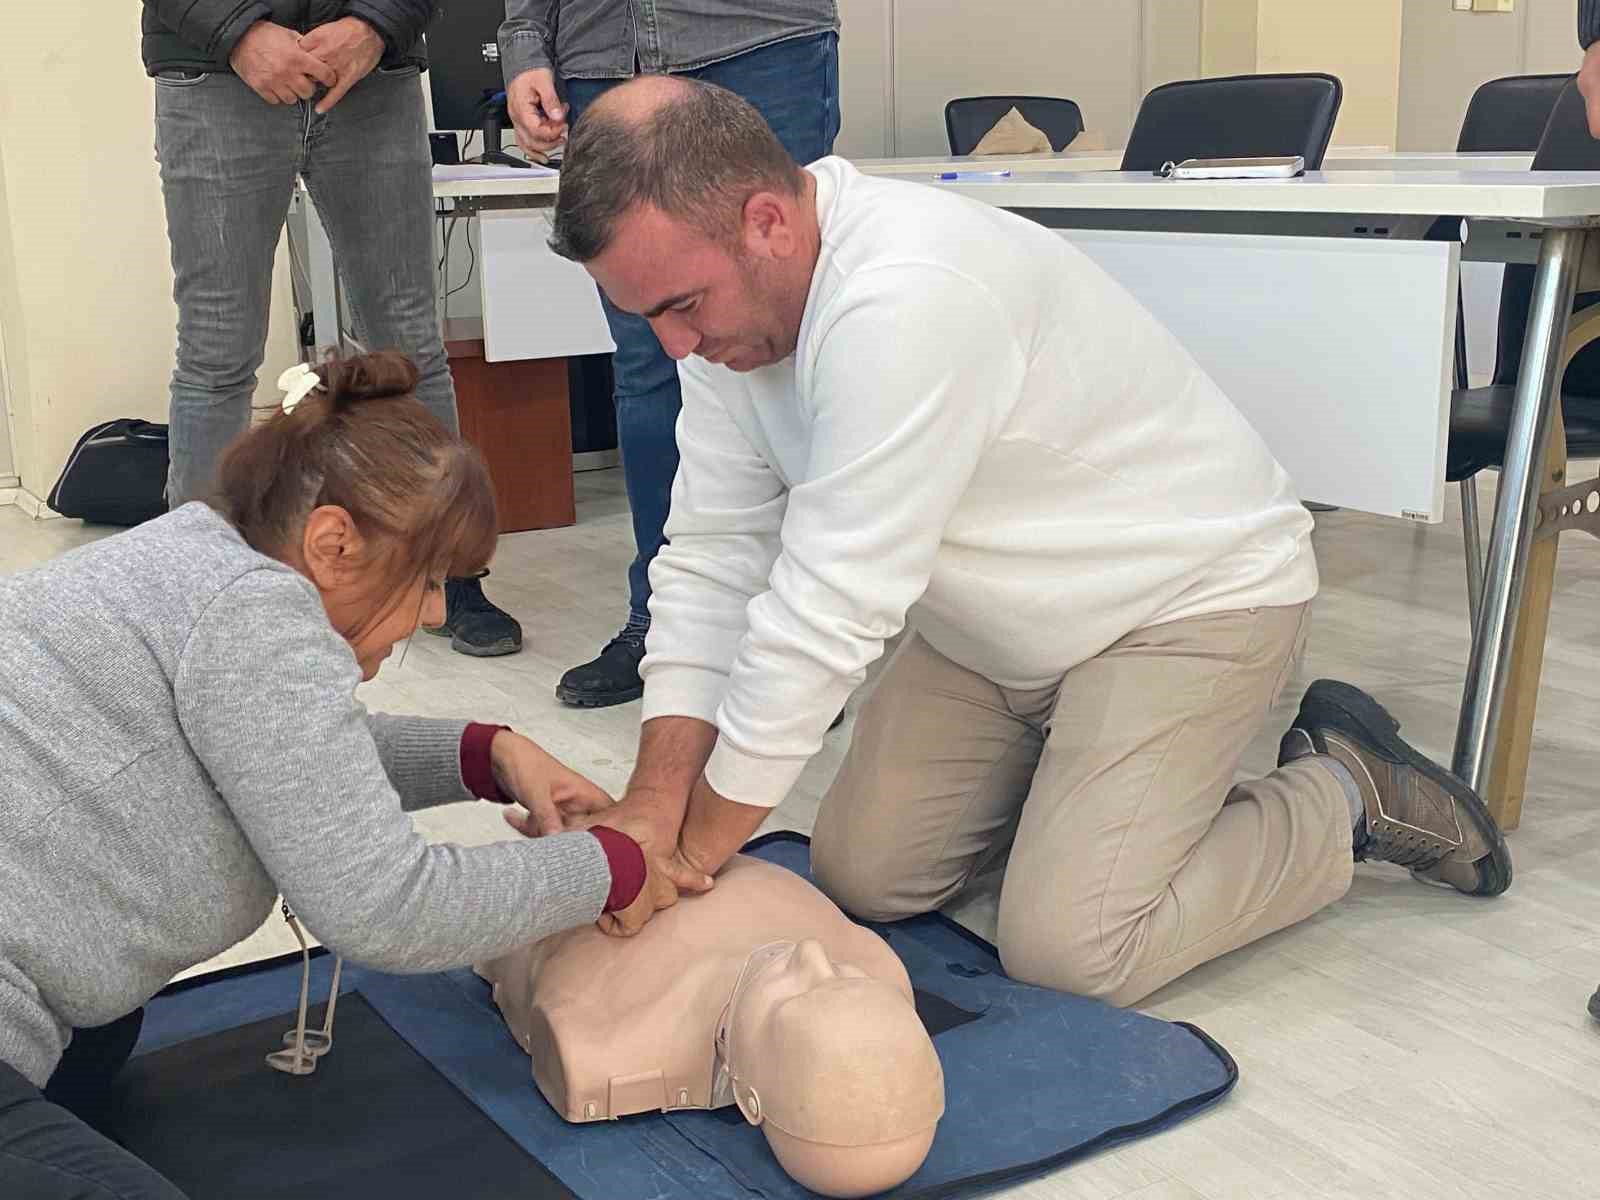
point(181, 743)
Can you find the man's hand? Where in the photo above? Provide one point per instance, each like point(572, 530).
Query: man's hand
point(271, 60)
point(662, 883)
point(556, 798)
point(536, 110)
point(714, 830)
point(351, 47)
point(647, 819)
point(672, 755)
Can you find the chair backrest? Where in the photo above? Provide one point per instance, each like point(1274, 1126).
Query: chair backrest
point(1509, 114)
point(1565, 145)
point(968, 118)
point(1240, 116)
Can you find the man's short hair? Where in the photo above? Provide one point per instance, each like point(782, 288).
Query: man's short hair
point(697, 157)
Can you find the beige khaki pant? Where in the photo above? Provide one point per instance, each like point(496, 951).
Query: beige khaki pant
point(1133, 855)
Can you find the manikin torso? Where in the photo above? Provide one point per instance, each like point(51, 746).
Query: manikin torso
point(619, 1026)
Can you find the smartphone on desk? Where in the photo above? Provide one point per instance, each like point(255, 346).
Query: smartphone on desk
point(1286, 167)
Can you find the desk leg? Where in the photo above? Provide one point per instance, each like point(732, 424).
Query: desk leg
point(1505, 582)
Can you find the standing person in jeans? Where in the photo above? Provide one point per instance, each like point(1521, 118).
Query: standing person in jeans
point(249, 94)
point(782, 57)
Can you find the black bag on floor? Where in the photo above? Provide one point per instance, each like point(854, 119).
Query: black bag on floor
point(117, 474)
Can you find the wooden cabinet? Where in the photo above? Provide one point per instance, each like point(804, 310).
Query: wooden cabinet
point(518, 416)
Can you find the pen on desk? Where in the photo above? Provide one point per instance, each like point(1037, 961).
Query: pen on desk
point(951, 176)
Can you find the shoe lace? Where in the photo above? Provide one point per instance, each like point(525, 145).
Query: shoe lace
point(632, 639)
point(1403, 847)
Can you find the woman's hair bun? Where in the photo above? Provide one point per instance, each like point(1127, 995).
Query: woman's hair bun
point(360, 377)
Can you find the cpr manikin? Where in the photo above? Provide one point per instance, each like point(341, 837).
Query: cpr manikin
point(759, 993)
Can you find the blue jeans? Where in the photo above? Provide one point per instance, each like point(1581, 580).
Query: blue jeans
point(228, 165)
point(795, 85)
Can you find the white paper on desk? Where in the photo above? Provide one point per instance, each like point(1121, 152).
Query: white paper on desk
point(473, 172)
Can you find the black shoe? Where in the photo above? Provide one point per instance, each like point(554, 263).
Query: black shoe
point(1417, 814)
point(837, 721)
point(473, 624)
point(612, 678)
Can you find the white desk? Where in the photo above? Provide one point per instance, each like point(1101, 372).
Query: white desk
point(1348, 159)
point(1542, 198)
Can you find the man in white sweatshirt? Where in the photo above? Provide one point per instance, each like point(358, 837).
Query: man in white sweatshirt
point(901, 407)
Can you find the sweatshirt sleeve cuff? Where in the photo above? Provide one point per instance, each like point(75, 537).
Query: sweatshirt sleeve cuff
point(626, 861)
point(683, 692)
point(477, 767)
point(747, 779)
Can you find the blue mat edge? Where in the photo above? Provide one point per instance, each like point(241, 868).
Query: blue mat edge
point(1105, 1141)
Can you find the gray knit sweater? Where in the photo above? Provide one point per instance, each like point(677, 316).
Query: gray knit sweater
point(179, 741)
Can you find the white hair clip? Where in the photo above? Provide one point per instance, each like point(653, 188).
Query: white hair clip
point(297, 383)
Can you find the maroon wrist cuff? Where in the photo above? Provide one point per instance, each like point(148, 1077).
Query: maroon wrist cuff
point(477, 768)
point(627, 866)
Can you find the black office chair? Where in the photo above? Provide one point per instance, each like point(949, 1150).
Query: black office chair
point(1240, 116)
point(968, 118)
point(1509, 114)
point(1506, 114)
point(1481, 417)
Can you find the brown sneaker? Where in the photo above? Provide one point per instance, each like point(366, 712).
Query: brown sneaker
point(1418, 815)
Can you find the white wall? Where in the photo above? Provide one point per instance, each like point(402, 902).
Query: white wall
point(86, 314)
point(7, 271)
point(1357, 40)
point(1445, 55)
point(866, 85)
point(1228, 37)
point(901, 60)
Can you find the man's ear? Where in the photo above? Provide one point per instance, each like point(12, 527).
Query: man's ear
point(769, 226)
point(331, 546)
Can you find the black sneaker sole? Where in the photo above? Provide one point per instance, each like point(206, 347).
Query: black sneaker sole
point(496, 649)
point(1331, 704)
point(581, 699)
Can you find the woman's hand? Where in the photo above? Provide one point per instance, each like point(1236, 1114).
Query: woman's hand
point(664, 879)
point(556, 799)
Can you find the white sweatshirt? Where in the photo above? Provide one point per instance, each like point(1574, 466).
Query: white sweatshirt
point(979, 432)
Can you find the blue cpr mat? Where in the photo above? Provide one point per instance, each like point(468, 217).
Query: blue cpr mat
point(1033, 1079)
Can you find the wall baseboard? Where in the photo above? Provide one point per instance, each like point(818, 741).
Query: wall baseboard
point(34, 507)
point(10, 481)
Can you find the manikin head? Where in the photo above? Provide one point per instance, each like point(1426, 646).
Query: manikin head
point(686, 209)
point(835, 1068)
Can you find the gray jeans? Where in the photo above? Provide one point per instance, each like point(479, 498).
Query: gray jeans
point(228, 164)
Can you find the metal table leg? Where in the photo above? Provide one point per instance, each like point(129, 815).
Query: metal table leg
point(1516, 507)
point(1471, 535)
